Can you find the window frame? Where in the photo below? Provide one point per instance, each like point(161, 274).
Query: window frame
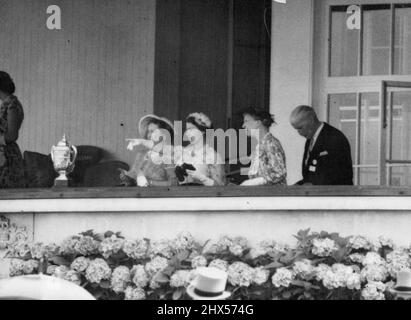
point(324, 84)
point(360, 66)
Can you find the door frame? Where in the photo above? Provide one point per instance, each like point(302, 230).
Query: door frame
point(386, 105)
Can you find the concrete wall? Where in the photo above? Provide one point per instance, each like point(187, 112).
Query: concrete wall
point(279, 225)
point(92, 80)
point(291, 74)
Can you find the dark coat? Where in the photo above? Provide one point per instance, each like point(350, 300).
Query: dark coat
point(330, 160)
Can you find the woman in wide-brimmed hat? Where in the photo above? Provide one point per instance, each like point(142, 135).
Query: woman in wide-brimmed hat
point(153, 163)
point(198, 163)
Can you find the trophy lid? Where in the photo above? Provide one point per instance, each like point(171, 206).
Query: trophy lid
point(63, 142)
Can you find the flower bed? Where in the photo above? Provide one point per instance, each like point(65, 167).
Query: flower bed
point(320, 265)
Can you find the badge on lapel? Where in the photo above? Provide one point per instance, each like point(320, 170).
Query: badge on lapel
point(324, 153)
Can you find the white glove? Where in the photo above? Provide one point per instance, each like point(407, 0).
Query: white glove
point(142, 181)
point(133, 143)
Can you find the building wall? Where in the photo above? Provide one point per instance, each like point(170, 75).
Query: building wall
point(255, 225)
point(291, 74)
point(191, 59)
point(91, 80)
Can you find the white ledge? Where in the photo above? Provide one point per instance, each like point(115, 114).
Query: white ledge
point(205, 204)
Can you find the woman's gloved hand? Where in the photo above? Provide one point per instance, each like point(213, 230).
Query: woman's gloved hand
point(142, 181)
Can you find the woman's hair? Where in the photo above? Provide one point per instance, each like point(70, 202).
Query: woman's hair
point(6, 83)
point(165, 126)
point(266, 118)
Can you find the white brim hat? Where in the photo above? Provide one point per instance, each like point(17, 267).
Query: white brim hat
point(41, 287)
point(401, 294)
point(191, 291)
point(144, 122)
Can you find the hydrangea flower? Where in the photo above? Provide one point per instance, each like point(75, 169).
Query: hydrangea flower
point(51, 269)
point(68, 246)
point(155, 265)
point(80, 264)
point(86, 245)
point(240, 274)
point(321, 271)
point(110, 246)
point(304, 269)
point(60, 272)
point(373, 291)
point(373, 258)
point(39, 250)
point(374, 272)
point(139, 276)
point(338, 276)
point(184, 241)
point(154, 284)
point(198, 262)
point(323, 247)
point(360, 242)
point(180, 278)
point(120, 278)
point(161, 248)
point(356, 258)
point(136, 249)
point(353, 281)
point(219, 264)
point(236, 250)
point(267, 247)
point(131, 293)
point(16, 267)
point(282, 278)
point(19, 249)
point(261, 276)
point(73, 276)
point(236, 246)
point(98, 270)
point(385, 242)
point(30, 266)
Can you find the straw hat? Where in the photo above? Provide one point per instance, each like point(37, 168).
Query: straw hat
point(403, 287)
point(41, 287)
point(209, 284)
point(145, 121)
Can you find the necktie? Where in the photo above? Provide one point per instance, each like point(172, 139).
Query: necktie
point(310, 148)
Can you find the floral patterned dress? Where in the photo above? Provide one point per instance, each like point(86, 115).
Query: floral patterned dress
point(12, 168)
point(268, 161)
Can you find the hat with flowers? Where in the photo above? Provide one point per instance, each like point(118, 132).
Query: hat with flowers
point(200, 120)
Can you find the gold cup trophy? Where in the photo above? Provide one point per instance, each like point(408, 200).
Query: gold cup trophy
point(63, 156)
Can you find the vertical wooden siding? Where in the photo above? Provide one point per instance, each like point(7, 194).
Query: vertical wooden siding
point(92, 80)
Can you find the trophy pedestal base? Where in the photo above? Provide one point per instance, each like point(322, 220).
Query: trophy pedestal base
point(61, 183)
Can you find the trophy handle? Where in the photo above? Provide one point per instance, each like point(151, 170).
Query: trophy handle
point(71, 166)
point(51, 154)
point(75, 153)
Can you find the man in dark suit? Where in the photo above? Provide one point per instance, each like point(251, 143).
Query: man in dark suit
point(327, 153)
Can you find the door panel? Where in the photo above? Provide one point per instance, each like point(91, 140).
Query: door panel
point(396, 134)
